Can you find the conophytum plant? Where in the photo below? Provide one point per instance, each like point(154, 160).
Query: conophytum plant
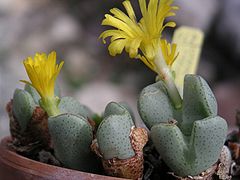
point(68, 125)
point(184, 127)
point(186, 131)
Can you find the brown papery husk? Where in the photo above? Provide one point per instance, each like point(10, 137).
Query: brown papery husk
point(35, 138)
point(131, 168)
point(205, 175)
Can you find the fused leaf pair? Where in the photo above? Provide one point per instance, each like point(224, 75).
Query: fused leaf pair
point(190, 139)
point(71, 133)
point(24, 103)
point(28, 122)
point(119, 143)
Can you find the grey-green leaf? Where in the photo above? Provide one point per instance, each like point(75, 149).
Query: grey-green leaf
point(114, 108)
point(154, 105)
point(127, 106)
point(23, 107)
point(113, 137)
point(72, 136)
point(31, 90)
point(71, 105)
point(114, 131)
point(198, 101)
point(190, 155)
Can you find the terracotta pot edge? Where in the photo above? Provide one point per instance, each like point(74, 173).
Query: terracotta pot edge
point(50, 169)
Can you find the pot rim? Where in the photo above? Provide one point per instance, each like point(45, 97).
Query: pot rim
point(8, 157)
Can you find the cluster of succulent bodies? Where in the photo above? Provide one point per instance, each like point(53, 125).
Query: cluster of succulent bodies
point(186, 131)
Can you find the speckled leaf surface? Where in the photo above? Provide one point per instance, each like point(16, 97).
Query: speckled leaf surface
point(190, 155)
point(31, 90)
point(71, 105)
point(72, 137)
point(189, 140)
point(23, 107)
point(113, 133)
point(198, 101)
point(154, 105)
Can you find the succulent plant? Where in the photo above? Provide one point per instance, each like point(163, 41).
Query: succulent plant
point(23, 107)
point(115, 116)
point(120, 143)
point(24, 103)
point(72, 136)
point(190, 139)
point(28, 124)
point(30, 89)
point(71, 105)
point(155, 106)
point(126, 105)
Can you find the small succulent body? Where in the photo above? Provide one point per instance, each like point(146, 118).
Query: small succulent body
point(71, 105)
point(30, 108)
point(72, 135)
point(28, 123)
point(119, 143)
point(189, 139)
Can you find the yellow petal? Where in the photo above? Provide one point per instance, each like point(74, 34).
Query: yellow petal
point(123, 17)
point(129, 9)
point(149, 64)
point(133, 51)
point(168, 24)
point(116, 47)
point(116, 34)
point(143, 7)
point(141, 39)
point(112, 21)
point(42, 72)
point(168, 2)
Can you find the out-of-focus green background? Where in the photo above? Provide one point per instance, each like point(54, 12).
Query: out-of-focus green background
point(93, 77)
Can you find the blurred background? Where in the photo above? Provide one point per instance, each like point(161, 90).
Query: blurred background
point(93, 77)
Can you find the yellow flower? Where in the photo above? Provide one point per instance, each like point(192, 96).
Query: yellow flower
point(42, 71)
point(142, 40)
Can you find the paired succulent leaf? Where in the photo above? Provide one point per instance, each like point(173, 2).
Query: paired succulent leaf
point(31, 90)
point(190, 140)
point(72, 136)
point(71, 105)
point(24, 103)
point(190, 155)
point(113, 133)
point(155, 106)
point(198, 102)
point(128, 108)
point(23, 107)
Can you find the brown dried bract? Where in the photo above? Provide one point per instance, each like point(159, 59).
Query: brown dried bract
point(206, 175)
point(36, 136)
point(139, 138)
point(235, 149)
point(93, 125)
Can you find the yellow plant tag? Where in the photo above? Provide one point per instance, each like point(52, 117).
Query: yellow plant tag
point(189, 42)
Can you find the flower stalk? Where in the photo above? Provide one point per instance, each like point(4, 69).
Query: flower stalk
point(50, 105)
point(165, 73)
